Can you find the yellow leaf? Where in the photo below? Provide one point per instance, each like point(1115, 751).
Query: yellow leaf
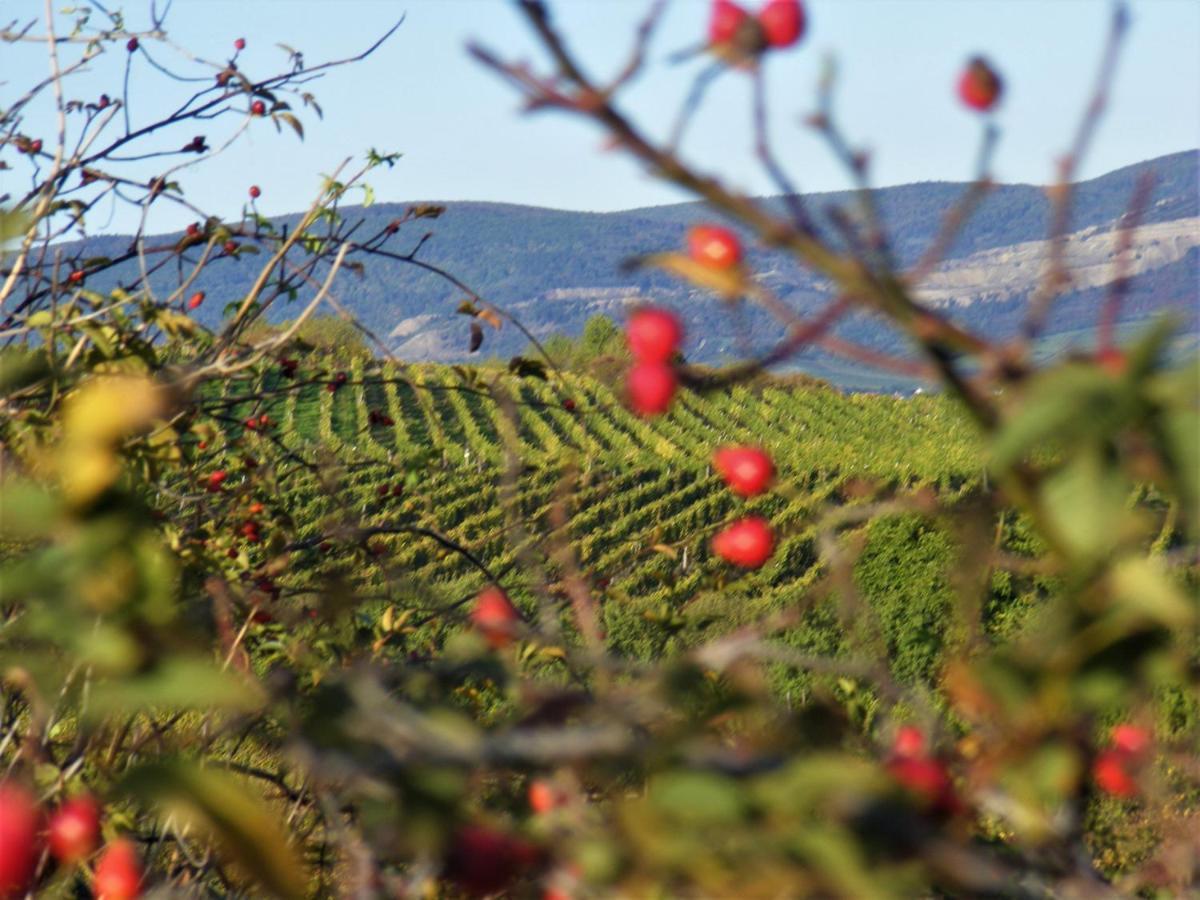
point(729, 284)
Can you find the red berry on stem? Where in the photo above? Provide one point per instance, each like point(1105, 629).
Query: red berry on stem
point(926, 778)
point(132, 44)
point(19, 825)
point(75, 829)
point(495, 616)
point(909, 742)
point(482, 861)
point(782, 22)
point(35, 146)
point(651, 387)
point(748, 542)
point(714, 246)
point(193, 230)
point(239, 44)
point(196, 299)
point(216, 479)
point(1131, 740)
point(544, 796)
point(653, 334)
point(118, 872)
point(979, 86)
point(231, 247)
point(1110, 770)
point(255, 192)
point(258, 108)
point(569, 405)
point(747, 470)
point(724, 22)
point(75, 277)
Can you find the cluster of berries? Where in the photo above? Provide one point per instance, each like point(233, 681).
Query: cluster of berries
point(71, 833)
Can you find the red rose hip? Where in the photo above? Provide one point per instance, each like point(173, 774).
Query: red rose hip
point(725, 20)
point(651, 387)
point(748, 542)
point(196, 299)
point(19, 824)
point(714, 246)
point(979, 86)
point(747, 470)
point(782, 22)
point(74, 830)
point(653, 334)
point(118, 872)
point(495, 617)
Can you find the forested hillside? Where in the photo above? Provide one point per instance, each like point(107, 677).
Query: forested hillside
point(555, 268)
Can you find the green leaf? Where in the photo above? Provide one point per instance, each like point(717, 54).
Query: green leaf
point(1067, 404)
point(1086, 504)
point(20, 367)
point(698, 798)
point(220, 804)
point(176, 683)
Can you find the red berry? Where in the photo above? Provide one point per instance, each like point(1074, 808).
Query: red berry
point(1112, 775)
point(482, 861)
point(382, 490)
point(251, 423)
point(653, 334)
point(651, 386)
point(239, 44)
point(193, 230)
point(258, 108)
point(495, 616)
point(264, 421)
point(725, 20)
point(979, 86)
point(19, 825)
point(714, 246)
point(747, 542)
point(544, 796)
point(782, 22)
point(75, 277)
point(747, 470)
point(909, 742)
point(927, 779)
point(255, 192)
point(75, 829)
point(569, 405)
point(35, 146)
point(202, 445)
point(231, 247)
point(196, 299)
point(119, 872)
point(255, 508)
point(216, 479)
point(132, 44)
point(103, 102)
point(1131, 740)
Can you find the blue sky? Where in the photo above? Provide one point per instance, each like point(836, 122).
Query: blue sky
point(463, 138)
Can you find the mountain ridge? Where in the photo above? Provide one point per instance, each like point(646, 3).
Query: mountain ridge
point(554, 268)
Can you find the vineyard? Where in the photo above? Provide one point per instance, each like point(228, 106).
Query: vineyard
point(423, 451)
point(281, 617)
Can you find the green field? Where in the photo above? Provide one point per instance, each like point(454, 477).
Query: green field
point(639, 497)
